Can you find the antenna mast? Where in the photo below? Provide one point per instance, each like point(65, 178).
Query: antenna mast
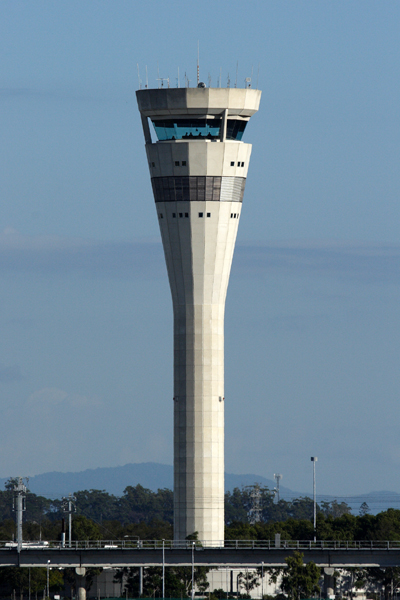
point(20, 495)
point(198, 62)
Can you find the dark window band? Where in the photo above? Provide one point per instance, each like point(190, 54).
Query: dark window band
point(198, 189)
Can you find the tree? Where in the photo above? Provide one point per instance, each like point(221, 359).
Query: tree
point(84, 529)
point(248, 580)
point(364, 509)
point(300, 580)
point(178, 581)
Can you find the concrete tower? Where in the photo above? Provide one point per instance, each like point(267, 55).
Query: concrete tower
point(198, 168)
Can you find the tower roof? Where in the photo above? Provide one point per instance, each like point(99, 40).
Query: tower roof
point(198, 101)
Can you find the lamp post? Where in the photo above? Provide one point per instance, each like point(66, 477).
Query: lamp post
point(48, 578)
point(139, 545)
point(314, 460)
point(262, 580)
point(163, 568)
point(193, 545)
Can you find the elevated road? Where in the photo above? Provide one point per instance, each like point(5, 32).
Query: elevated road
point(234, 554)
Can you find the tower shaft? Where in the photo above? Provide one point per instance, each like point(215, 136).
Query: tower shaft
point(198, 169)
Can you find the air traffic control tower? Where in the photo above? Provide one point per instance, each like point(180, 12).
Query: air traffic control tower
point(198, 169)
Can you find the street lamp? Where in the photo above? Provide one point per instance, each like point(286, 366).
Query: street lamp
point(163, 568)
point(48, 586)
point(193, 545)
point(140, 568)
point(314, 460)
point(262, 580)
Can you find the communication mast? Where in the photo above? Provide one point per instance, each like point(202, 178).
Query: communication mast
point(19, 497)
point(278, 477)
point(68, 506)
point(255, 511)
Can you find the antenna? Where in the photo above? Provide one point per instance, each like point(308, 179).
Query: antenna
point(158, 73)
point(228, 82)
point(247, 82)
point(237, 68)
point(258, 72)
point(147, 79)
point(179, 85)
point(209, 80)
point(278, 477)
point(220, 76)
point(140, 83)
point(198, 62)
point(162, 79)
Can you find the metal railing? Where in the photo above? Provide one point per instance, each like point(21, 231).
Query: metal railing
point(301, 545)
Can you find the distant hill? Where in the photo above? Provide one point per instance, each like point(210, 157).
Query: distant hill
point(115, 479)
point(155, 475)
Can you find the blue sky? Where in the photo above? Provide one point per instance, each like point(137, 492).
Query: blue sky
point(312, 322)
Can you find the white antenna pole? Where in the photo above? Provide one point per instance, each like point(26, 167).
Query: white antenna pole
point(258, 72)
point(314, 460)
point(237, 68)
point(198, 62)
point(140, 85)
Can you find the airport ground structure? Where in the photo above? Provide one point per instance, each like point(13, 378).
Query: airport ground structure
point(198, 167)
point(240, 553)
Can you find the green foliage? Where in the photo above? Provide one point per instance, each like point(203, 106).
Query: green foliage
point(248, 580)
point(85, 529)
point(139, 504)
point(18, 578)
point(178, 581)
point(300, 580)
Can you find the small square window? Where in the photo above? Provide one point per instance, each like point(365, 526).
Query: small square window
point(180, 215)
point(184, 163)
point(161, 216)
point(153, 164)
point(186, 215)
point(177, 163)
point(174, 215)
point(232, 164)
point(208, 214)
point(200, 215)
point(242, 164)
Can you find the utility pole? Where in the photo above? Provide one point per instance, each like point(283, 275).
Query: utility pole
point(278, 477)
point(314, 460)
point(20, 495)
point(68, 506)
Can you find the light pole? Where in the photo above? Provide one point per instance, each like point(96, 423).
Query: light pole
point(48, 586)
point(262, 580)
point(193, 545)
point(140, 568)
point(314, 460)
point(163, 568)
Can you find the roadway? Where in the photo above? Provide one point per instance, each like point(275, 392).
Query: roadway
point(233, 554)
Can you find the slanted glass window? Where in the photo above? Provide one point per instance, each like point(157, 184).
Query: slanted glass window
point(187, 129)
point(235, 129)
